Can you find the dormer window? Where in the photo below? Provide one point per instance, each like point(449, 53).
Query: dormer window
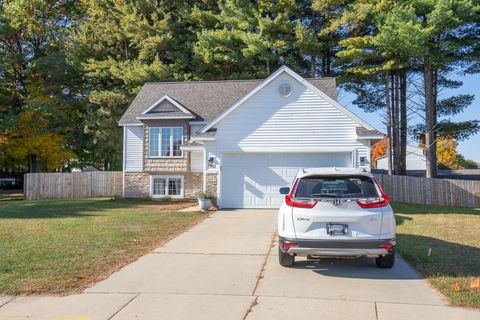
point(165, 142)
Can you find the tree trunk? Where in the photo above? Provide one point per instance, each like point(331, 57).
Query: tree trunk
point(32, 163)
point(313, 66)
point(324, 65)
point(389, 123)
point(395, 121)
point(403, 124)
point(397, 151)
point(430, 120)
point(328, 71)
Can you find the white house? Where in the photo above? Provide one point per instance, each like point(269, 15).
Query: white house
point(240, 140)
point(415, 159)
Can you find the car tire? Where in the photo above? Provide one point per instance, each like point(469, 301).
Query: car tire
point(386, 261)
point(285, 259)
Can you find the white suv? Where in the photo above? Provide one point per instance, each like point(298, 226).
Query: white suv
point(336, 212)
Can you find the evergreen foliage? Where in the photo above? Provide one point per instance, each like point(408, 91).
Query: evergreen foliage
point(69, 68)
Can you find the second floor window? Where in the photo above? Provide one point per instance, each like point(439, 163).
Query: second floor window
point(165, 141)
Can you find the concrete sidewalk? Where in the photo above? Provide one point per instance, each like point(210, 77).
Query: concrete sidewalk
point(227, 268)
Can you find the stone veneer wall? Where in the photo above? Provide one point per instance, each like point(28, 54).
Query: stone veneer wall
point(166, 164)
point(212, 183)
point(137, 184)
point(192, 185)
point(212, 179)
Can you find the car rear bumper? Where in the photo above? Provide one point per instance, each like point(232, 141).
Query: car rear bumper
point(336, 248)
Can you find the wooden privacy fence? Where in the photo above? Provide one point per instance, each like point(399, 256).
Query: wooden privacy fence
point(443, 192)
point(72, 185)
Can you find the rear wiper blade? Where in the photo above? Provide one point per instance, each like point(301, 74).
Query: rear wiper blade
point(332, 195)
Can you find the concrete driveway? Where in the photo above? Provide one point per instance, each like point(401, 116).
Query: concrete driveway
point(227, 268)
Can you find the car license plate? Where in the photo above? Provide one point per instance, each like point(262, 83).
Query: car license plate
point(337, 229)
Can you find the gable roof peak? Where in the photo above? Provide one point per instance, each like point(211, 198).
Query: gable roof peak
point(169, 99)
point(296, 76)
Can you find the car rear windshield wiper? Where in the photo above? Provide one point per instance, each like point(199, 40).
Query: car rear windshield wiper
point(332, 195)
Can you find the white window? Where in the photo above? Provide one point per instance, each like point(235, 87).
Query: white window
point(167, 186)
point(165, 141)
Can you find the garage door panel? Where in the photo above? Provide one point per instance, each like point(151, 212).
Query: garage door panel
point(253, 180)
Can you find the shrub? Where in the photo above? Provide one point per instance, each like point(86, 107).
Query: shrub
point(167, 199)
point(116, 198)
point(204, 195)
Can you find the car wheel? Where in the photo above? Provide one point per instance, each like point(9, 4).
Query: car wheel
point(285, 259)
point(386, 261)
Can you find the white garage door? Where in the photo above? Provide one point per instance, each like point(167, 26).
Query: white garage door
point(252, 180)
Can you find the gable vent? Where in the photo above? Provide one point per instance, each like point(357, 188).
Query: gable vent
point(285, 89)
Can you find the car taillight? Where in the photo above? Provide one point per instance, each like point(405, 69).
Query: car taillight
point(286, 246)
point(291, 202)
point(381, 201)
point(389, 247)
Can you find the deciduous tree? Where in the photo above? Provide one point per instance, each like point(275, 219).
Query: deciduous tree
point(34, 81)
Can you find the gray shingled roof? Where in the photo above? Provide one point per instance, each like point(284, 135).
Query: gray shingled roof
point(364, 131)
point(209, 133)
point(205, 99)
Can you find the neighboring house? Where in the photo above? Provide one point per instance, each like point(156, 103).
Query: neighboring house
point(240, 140)
point(415, 159)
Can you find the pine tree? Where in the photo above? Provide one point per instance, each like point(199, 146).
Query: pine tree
point(246, 39)
point(377, 56)
point(389, 40)
point(450, 29)
point(316, 46)
point(118, 47)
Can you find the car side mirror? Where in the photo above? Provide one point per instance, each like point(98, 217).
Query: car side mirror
point(284, 190)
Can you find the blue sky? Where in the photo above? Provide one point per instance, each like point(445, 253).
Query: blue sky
point(470, 148)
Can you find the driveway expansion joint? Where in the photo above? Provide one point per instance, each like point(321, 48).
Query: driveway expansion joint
point(8, 301)
point(250, 308)
point(262, 270)
point(352, 300)
point(123, 307)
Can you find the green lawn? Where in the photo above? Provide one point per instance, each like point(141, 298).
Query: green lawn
point(453, 234)
point(62, 246)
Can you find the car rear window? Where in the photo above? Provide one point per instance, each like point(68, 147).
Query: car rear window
point(336, 187)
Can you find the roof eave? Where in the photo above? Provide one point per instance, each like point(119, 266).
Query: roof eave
point(200, 138)
point(191, 148)
point(370, 136)
point(130, 124)
point(164, 117)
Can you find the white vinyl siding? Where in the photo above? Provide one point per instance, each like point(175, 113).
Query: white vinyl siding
point(302, 122)
point(166, 186)
point(165, 142)
point(133, 149)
